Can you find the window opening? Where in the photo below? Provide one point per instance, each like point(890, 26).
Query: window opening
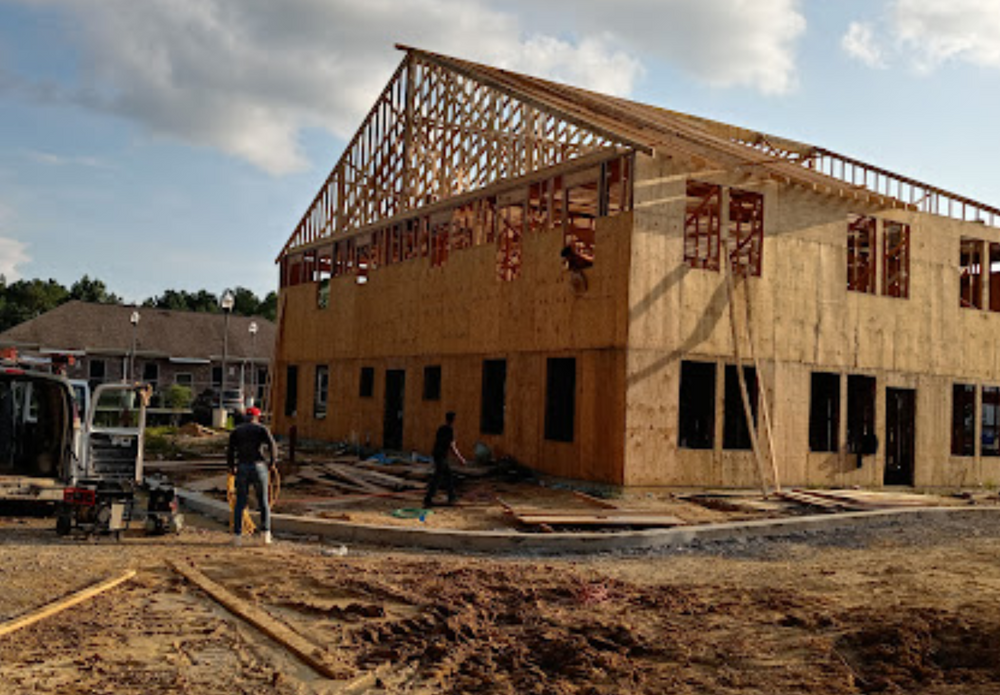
point(618, 179)
point(291, 390)
point(217, 377)
point(824, 412)
point(702, 224)
point(324, 271)
point(990, 436)
point(746, 231)
point(994, 252)
point(970, 262)
point(861, 437)
point(151, 373)
point(510, 232)
point(320, 395)
point(439, 243)
point(366, 388)
point(697, 405)
point(963, 418)
point(560, 398)
point(735, 434)
point(184, 379)
point(494, 389)
point(896, 259)
point(860, 254)
point(582, 201)
point(432, 383)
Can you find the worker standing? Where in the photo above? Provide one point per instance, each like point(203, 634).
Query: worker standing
point(245, 458)
point(444, 442)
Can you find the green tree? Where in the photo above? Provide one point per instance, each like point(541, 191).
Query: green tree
point(92, 290)
point(26, 299)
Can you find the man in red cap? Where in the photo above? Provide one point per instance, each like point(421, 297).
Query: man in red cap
point(245, 458)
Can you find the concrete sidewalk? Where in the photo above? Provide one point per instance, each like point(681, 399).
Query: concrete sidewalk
point(512, 542)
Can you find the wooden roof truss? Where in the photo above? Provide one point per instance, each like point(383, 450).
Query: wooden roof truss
point(434, 133)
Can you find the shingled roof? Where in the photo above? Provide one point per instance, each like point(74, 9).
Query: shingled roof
point(105, 329)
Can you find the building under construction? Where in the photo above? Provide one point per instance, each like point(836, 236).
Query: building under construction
point(615, 292)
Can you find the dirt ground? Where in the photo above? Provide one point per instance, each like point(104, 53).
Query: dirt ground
point(898, 607)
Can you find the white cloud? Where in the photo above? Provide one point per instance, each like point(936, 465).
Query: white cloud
point(13, 253)
point(936, 32)
point(249, 76)
point(929, 33)
point(859, 42)
point(726, 43)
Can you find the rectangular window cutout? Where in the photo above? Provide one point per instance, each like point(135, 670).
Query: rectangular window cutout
point(291, 390)
point(735, 434)
point(702, 224)
point(746, 231)
point(366, 388)
point(861, 437)
point(582, 198)
point(97, 369)
point(432, 383)
point(994, 277)
point(184, 379)
point(618, 180)
point(896, 260)
point(151, 373)
point(491, 419)
point(321, 392)
point(824, 412)
point(217, 377)
point(697, 405)
point(970, 263)
point(510, 233)
point(560, 398)
point(963, 420)
point(861, 254)
point(990, 438)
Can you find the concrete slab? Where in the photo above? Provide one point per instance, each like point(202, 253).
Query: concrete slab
point(493, 542)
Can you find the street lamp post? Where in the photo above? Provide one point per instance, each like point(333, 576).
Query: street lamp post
point(226, 302)
point(134, 320)
point(253, 356)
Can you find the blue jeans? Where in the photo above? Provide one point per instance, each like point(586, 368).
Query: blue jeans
point(247, 473)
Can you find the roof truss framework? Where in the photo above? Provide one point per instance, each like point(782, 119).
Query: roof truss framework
point(433, 133)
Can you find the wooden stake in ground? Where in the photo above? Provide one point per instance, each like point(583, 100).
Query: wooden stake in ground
point(62, 604)
point(309, 653)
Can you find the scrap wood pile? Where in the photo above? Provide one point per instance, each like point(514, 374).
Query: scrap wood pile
point(596, 513)
point(856, 500)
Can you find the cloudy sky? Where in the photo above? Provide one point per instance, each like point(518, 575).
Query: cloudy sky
point(175, 143)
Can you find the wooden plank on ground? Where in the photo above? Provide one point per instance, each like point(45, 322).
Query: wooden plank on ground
point(345, 473)
point(595, 500)
point(611, 519)
point(311, 654)
point(64, 603)
point(384, 479)
point(313, 476)
point(815, 500)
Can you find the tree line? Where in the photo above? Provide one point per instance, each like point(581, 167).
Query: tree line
point(25, 299)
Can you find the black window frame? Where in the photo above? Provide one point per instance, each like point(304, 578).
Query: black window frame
point(735, 433)
point(824, 412)
point(366, 383)
point(432, 382)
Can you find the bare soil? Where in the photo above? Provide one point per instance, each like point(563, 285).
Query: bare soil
point(896, 608)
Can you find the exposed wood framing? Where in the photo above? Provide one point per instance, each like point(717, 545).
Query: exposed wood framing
point(435, 133)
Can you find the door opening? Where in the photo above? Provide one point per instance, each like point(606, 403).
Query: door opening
point(900, 433)
point(392, 428)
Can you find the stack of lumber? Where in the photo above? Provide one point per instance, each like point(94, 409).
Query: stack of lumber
point(856, 500)
point(355, 479)
point(600, 513)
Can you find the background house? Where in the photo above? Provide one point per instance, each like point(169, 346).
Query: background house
point(757, 309)
point(96, 342)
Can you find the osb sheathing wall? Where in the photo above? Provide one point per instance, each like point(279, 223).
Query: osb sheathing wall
point(805, 320)
point(411, 315)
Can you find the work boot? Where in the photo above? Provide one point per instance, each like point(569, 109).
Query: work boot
point(267, 538)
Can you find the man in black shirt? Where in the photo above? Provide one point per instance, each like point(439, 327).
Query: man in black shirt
point(245, 458)
point(444, 441)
